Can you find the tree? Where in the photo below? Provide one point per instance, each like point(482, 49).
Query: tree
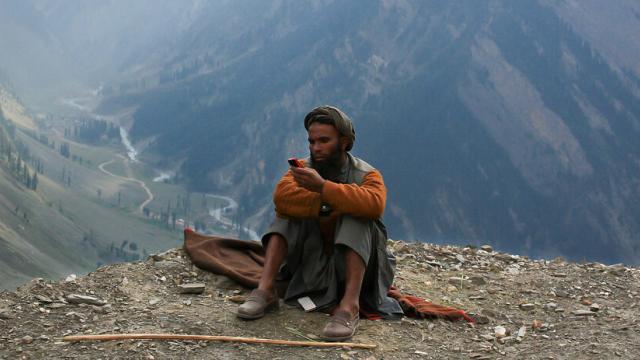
point(64, 149)
point(34, 181)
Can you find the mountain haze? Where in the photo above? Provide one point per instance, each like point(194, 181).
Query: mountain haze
point(510, 123)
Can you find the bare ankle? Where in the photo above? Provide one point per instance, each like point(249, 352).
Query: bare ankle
point(350, 308)
point(267, 288)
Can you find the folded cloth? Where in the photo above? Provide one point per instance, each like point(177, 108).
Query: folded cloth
point(242, 261)
point(239, 260)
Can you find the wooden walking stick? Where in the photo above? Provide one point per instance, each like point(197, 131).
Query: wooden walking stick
point(107, 337)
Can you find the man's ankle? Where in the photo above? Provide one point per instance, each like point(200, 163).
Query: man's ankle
point(350, 308)
point(268, 288)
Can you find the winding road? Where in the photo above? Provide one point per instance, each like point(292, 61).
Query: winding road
point(218, 214)
point(150, 196)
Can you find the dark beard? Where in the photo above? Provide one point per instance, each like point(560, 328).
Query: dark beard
point(330, 168)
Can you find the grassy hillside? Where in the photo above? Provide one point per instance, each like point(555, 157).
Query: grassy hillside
point(72, 222)
point(36, 240)
point(14, 111)
point(87, 207)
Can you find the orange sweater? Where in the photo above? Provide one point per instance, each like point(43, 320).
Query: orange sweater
point(366, 200)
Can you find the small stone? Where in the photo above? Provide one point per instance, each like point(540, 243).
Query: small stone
point(486, 248)
point(26, 339)
point(195, 288)
point(5, 315)
point(477, 280)
point(157, 257)
point(559, 310)
point(401, 247)
point(434, 263)
point(500, 331)
point(479, 356)
point(583, 313)
point(460, 258)
point(527, 307)
point(513, 270)
point(71, 278)
point(43, 299)
point(238, 299)
point(561, 293)
point(487, 337)
point(559, 275)
point(536, 324)
point(422, 353)
point(550, 306)
point(84, 299)
point(76, 315)
point(154, 301)
point(594, 307)
point(166, 264)
point(586, 301)
point(521, 333)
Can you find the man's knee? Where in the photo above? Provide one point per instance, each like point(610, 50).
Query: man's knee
point(275, 239)
point(351, 228)
point(355, 234)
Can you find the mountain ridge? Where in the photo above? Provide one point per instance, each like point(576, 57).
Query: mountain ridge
point(507, 123)
point(541, 121)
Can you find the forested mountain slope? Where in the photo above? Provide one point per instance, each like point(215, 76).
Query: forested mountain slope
point(512, 123)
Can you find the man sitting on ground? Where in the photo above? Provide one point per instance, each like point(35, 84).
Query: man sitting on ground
point(327, 239)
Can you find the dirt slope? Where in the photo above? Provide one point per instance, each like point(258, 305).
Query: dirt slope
point(562, 310)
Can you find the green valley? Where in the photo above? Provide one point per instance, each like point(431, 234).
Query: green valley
point(91, 205)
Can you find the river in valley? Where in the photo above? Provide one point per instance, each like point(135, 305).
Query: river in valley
point(221, 215)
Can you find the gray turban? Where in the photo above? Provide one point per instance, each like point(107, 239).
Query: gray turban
point(332, 115)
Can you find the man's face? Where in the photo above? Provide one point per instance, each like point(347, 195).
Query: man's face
point(324, 143)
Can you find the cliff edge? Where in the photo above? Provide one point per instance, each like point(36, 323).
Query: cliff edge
point(533, 309)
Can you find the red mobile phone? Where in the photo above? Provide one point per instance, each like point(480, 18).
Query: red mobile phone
point(294, 162)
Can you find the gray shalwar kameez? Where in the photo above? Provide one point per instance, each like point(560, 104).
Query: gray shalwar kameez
point(311, 272)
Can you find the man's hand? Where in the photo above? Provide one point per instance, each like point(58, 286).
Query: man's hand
point(308, 178)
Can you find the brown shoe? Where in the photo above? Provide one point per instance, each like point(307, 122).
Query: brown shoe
point(341, 326)
point(257, 304)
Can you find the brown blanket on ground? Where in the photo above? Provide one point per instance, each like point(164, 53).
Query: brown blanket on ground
point(242, 261)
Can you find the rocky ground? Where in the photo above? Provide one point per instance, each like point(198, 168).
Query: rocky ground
point(524, 309)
